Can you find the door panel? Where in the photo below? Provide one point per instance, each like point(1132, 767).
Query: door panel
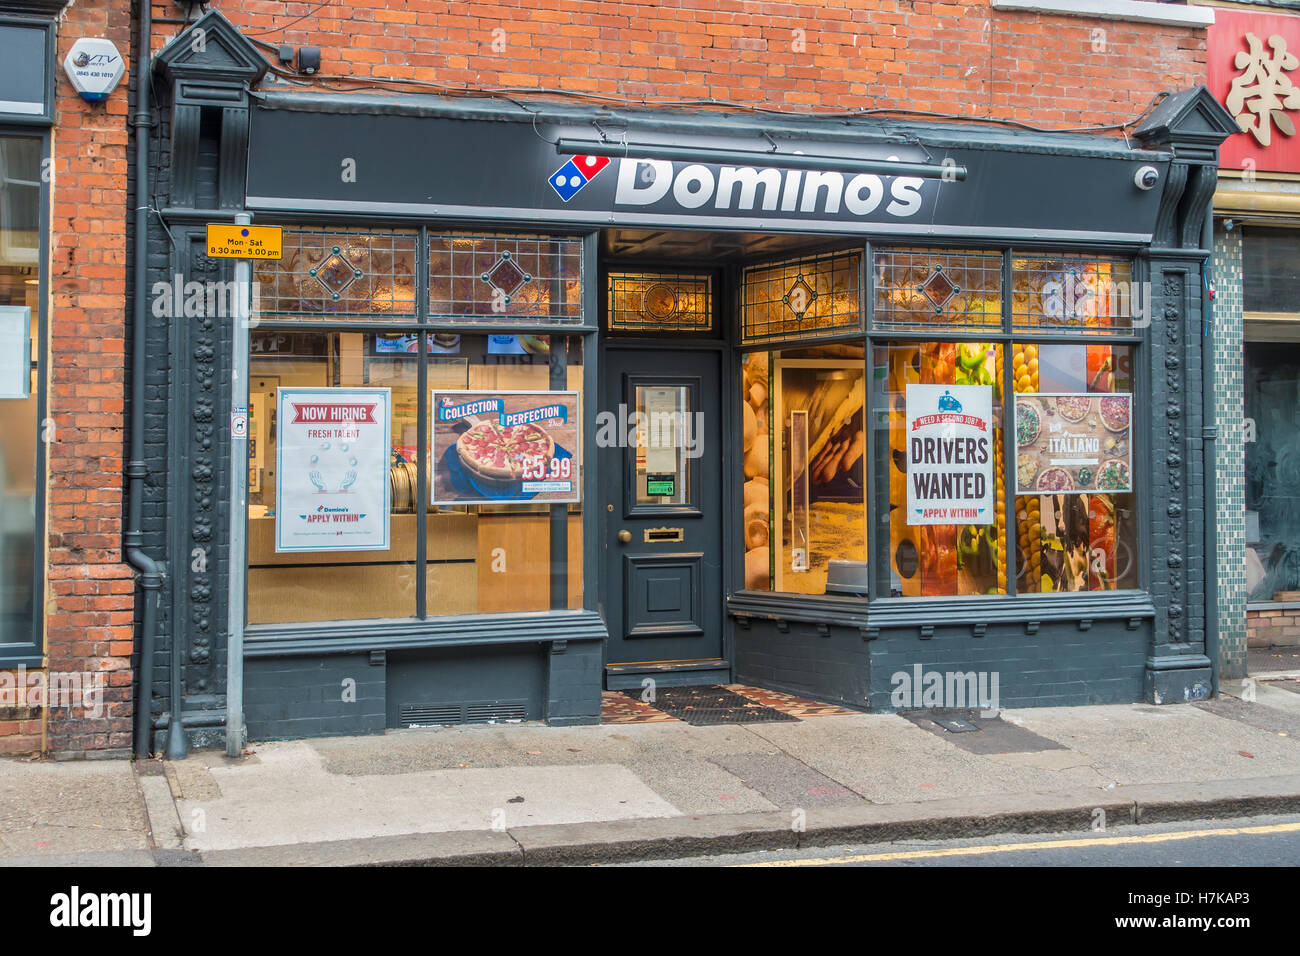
point(661, 505)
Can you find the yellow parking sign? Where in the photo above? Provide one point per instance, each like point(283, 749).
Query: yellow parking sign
point(244, 242)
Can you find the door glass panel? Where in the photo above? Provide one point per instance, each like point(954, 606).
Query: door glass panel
point(804, 444)
point(666, 443)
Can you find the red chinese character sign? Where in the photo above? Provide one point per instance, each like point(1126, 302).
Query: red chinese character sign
point(1253, 70)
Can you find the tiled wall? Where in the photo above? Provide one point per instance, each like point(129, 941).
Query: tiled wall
point(1230, 507)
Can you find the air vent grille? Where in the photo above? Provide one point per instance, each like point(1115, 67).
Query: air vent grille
point(463, 712)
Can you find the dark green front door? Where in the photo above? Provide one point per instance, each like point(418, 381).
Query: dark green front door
point(660, 444)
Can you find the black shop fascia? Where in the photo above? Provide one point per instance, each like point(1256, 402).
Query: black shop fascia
point(768, 293)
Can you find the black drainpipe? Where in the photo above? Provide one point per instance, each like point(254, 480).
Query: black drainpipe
point(151, 572)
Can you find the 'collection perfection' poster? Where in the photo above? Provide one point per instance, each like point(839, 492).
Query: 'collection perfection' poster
point(332, 488)
point(499, 447)
point(949, 454)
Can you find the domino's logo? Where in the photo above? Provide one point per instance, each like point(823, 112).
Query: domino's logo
point(576, 173)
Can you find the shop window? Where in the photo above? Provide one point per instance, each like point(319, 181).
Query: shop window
point(326, 273)
point(21, 465)
point(336, 518)
point(1272, 386)
point(1270, 265)
point(804, 444)
point(658, 303)
point(1075, 292)
point(1075, 509)
point(915, 288)
point(813, 296)
point(940, 475)
point(495, 279)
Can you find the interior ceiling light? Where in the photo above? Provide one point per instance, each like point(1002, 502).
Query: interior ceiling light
point(573, 146)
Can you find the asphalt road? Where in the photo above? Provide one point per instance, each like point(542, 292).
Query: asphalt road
point(1242, 842)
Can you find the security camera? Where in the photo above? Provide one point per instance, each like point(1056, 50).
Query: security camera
point(1146, 177)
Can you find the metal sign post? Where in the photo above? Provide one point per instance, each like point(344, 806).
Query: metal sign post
point(238, 493)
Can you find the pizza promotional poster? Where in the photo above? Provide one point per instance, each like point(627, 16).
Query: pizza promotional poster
point(331, 456)
point(502, 447)
point(949, 454)
point(1073, 443)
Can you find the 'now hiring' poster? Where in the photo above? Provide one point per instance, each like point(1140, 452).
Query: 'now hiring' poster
point(332, 488)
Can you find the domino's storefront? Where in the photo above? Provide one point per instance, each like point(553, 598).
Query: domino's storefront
point(546, 401)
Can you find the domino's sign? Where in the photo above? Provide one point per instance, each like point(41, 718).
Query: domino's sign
point(94, 67)
point(643, 182)
point(576, 173)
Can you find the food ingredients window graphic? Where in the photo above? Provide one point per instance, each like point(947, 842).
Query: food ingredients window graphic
point(942, 445)
point(1076, 527)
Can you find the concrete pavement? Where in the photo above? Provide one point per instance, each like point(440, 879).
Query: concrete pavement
point(510, 794)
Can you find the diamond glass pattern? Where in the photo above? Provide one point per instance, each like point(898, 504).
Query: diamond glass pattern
point(928, 288)
point(800, 297)
point(473, 275)
point(808, 296)
point(336, 272)
point(939, 289)
point(1075, 292)
point(506, 277)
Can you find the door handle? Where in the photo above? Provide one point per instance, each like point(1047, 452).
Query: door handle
point(625, 536)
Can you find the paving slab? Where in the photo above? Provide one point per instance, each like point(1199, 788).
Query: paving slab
point(51, 809)
point(288, 797)
point(1138, 743)
point(887, 759)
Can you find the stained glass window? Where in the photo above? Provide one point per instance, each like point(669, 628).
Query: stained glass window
point(1070, 291)
point(798, 298)
point(475, 278)
point(660, 303)
point(339, 272)
point(916, 288)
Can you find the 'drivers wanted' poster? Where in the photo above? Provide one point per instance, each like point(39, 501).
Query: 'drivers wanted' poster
point(332, 488)
point(949, 454)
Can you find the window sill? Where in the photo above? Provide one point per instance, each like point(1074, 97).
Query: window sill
point(347, 637)
point(1140, 11)
point(1272, 605)
point(20, 656)
point(1133, 606)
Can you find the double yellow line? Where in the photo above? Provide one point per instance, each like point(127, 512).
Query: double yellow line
point(1038, 845)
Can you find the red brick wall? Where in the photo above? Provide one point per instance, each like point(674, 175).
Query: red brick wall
point(89, 596)
point(962, 58)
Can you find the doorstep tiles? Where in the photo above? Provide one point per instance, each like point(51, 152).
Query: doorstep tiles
point(618, 708)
